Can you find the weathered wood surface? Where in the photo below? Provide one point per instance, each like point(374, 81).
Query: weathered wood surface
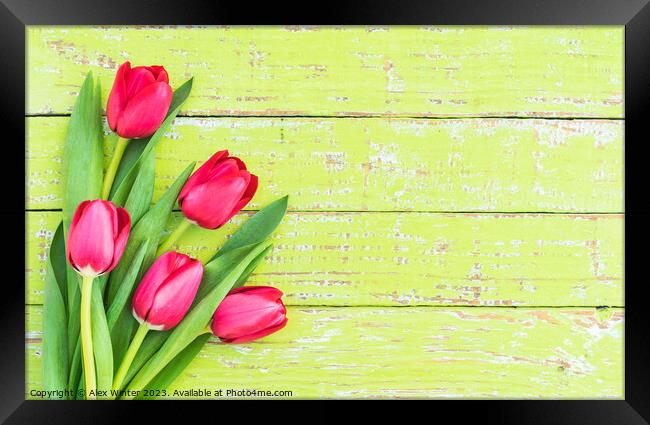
point(412, 352)
point(383, 164)
point(380, 248)
point(415, 258)
point(405, 71)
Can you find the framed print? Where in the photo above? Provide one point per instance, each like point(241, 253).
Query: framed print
point(386, 202)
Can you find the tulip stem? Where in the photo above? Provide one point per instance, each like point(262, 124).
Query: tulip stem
point(87, 338)
point(128, 358)
point(112, 168)
point(173, 237)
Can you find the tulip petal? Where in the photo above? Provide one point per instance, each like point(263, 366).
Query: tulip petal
point(151, 281)
point(123, 229)
point(244, 312)
point(248, 313)
point(252, 187)
point(247, 196)
point(211, 204)
point(117, 98)
point(226, 167)
point(109, 205)
point(175, 296)
point(232, 323)
point(159, 73)
point(257, 335)
point(73, 224)
point(245, 303)
point(145, 111)
point(92, 242)
point(267, 292)
point(180, 261)
point(139, 78)
point(199, 176)
point(240, 163)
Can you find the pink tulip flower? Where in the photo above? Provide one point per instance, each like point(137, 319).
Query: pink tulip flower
point(97, 237)
point(249, 313)
point(139, 100)
point(217, 191)
point(167, 290)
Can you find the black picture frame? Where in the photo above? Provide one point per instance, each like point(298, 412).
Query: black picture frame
point(634, 14)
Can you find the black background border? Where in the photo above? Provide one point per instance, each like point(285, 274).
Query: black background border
point(634, 14)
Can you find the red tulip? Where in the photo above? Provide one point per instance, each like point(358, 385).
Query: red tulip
point(97, 237)
point(139, 100)
point(217, 191)
point(249, 313)
point(167, 290)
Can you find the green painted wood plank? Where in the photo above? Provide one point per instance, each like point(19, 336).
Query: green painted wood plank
point(411, 352)
point(406, 71)
point(383, 164)
point(415, 258)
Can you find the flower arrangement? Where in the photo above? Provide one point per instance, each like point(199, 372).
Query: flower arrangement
point(124, 312)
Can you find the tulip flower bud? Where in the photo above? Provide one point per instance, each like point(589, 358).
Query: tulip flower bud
point(217, 191)
point(167, 290)
point(97, 237)
point(249, 313)
point(139, 100)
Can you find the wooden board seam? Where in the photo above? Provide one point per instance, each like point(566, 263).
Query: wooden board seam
point(320, 211)
point(379, 116)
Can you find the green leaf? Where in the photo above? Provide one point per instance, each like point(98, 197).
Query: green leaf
point(198, 318)
point(83, 153)
point(253, 231)
point(76, 373)
point(258, 227)
point(152, 342)
point(175, 367)
point(102, 350)
point(252, 266)
point(121, 336)
point(75, 368)
point(180, 95)
point(55, 344)
point(141, 192)
point(57, 259)
point(122, 191)
point(131, 154)
point(216, 270)
point(82, 165)
point(149, 228)
point(74, 299)
point(101, 281)
point(118, 316)
point(126, 287)
point(81, 389)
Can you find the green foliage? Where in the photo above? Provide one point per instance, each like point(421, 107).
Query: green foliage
point(55, 344)
point(197, 319)
point(163, 355)
point(82, 164)
point(124, 188)
point(175, 367)
point(148, 228)
point(102, 348)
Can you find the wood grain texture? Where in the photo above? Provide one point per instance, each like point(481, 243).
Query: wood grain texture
point(412, 352)
point(404, 71)
point(415, 259)
point(383, 164)
point(433, 188)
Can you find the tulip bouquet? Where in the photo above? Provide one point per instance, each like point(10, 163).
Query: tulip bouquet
point(124, 312)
